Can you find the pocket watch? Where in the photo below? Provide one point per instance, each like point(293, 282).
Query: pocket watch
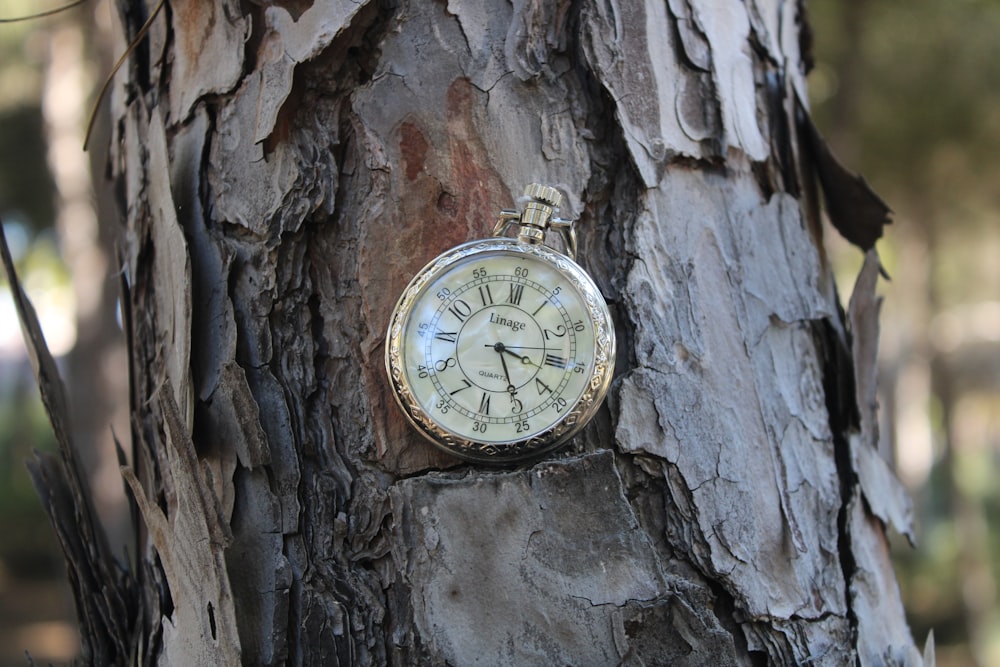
point(501, 349)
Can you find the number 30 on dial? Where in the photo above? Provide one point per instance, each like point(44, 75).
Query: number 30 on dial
point(500, 351)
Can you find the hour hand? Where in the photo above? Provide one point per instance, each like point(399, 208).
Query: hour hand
point(500, 347)
point(525, 359)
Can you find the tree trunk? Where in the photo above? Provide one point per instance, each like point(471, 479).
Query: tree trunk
point(284, 172)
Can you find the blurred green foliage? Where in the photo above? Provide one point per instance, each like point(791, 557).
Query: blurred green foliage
point(27, 192)
point(922, 104)
point(29, 547)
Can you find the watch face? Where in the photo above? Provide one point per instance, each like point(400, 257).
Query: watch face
point(500, 350)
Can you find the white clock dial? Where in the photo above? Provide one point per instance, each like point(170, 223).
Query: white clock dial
point(498, 348)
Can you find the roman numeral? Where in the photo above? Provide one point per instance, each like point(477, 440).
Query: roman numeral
point(484, 404)
point(446, 336)
point(467, 385)
point(556, 361)
point(485, 296)
point(516, 291)
point(461, 310)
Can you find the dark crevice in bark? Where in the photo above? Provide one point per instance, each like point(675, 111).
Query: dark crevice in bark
point(251, 47)
point(838, 386)
point(134, 15)
point(691, 45)
point(806, 37)
point(610, 191)
point(318, 287)
point(684, 54)
point(781, 129)
point(160, 91)
point(732, 618)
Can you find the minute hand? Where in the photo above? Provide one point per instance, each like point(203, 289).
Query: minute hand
point(506, 374)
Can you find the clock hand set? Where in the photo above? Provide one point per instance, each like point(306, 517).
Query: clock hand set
point(503, 349)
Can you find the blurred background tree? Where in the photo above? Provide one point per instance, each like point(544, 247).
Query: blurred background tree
point(907, 92)
point(29, 556)
point(61, 229)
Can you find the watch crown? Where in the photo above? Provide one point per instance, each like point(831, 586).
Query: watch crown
point(536, 217)
point(544, 194)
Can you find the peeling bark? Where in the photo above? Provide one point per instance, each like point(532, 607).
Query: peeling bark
point(726, 506)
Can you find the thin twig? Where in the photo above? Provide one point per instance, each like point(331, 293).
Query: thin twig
point(114, 70)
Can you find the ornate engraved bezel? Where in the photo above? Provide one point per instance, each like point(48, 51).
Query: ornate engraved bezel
point(541, 443)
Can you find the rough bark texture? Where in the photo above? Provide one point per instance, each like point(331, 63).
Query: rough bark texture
point(285, 168)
